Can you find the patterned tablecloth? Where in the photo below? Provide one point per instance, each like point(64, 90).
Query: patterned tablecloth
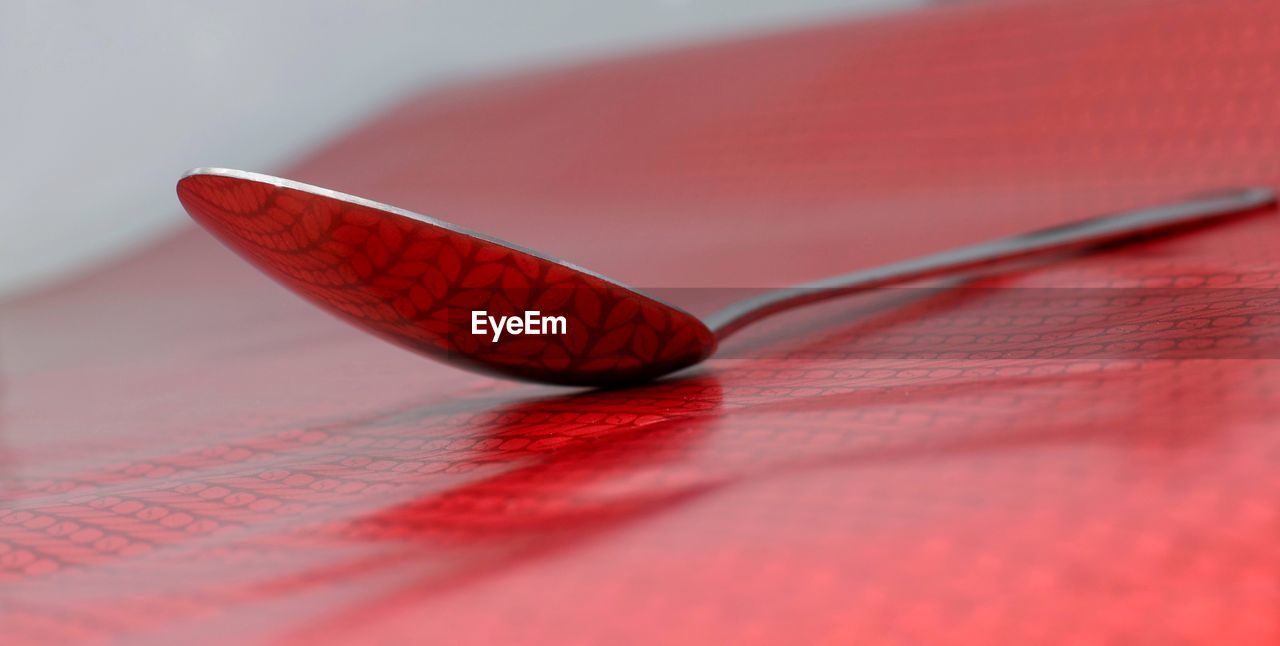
point(1076, 452)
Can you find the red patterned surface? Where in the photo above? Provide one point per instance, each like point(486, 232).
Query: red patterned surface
point(190, 453)
point(418, 283)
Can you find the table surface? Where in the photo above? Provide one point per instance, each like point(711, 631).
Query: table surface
point(1079, 451)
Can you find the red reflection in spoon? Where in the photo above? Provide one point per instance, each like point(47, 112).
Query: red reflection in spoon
point(416, 281)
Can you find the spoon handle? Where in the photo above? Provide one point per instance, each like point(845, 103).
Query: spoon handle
point(1074, 236)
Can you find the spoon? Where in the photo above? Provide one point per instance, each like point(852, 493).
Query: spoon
point(455, 295)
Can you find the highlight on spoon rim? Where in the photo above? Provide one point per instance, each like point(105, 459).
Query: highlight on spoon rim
point(424, 283)
point(405, 213)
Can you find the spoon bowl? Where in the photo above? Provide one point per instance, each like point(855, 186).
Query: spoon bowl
point(416, 281)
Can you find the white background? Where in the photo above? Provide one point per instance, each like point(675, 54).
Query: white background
point(104, 104)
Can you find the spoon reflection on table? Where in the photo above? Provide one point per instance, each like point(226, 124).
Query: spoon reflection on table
point(444, 291)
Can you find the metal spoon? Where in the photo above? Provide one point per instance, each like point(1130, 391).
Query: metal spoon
point(419, 282)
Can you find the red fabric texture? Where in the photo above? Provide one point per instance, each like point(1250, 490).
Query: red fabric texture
point(192, 453)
